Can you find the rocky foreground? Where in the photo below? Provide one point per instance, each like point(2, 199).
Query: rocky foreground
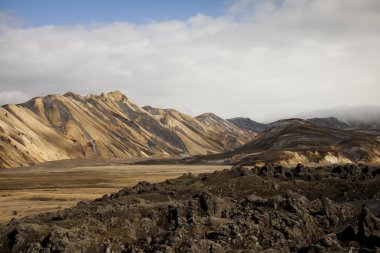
point(267, 209)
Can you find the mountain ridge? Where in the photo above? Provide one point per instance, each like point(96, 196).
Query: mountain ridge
point(71, 126)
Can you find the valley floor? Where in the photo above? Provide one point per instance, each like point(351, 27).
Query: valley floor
point(57, 185)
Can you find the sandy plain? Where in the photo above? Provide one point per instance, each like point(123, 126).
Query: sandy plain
point(57, 185)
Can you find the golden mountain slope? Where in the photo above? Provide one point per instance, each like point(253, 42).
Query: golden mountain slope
point(25, 139)
point(70, 126)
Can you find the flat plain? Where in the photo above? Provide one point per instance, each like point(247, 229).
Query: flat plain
point(58, 185)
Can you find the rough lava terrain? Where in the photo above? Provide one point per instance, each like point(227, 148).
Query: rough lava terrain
point(245, 209)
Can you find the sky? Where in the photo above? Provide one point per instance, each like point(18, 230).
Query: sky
point(263, 59)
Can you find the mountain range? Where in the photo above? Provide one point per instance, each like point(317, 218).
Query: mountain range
point(72, 126)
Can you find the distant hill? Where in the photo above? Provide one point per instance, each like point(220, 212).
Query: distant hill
point(295, 141)
point(330, 122)
point(71, 126)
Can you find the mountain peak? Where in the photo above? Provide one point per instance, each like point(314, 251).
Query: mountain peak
point(114, 95)
point(73, 95)
point(208, 115)
point(70, 94)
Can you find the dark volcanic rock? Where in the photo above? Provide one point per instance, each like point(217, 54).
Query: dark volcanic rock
point(369, 228)
point(267, 209)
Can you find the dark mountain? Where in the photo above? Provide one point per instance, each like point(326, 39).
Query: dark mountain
point(247, 123)
point(330, 122)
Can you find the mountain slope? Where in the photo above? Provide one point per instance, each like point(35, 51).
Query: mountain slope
point(25, 139)
point(216, 126)
point(199, 137)
point(108, 125)
point(295, 140)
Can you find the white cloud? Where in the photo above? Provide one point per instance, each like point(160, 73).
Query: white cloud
point(12, 96)
point(8, 21)
point(262, 59)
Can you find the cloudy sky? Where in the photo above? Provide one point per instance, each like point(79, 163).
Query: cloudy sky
point(264, 59)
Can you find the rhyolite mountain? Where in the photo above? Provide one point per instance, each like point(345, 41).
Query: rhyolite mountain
point(71, 126)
